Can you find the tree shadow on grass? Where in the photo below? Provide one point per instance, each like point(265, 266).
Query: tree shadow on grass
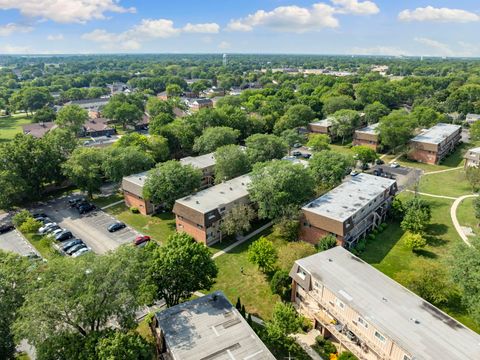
point(435, 241)
point(437, 229)
point(425, 253)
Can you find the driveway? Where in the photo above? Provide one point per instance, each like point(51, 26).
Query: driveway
point(91, 227)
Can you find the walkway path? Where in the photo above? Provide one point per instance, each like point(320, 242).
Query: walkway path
point(453, 215)
point(433, 195)
point(442, 171)
point(113, 204)
point(242, 239)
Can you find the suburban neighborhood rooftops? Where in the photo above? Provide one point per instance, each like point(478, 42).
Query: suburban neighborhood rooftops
point(97, 124)
point(221, 194)
point(413, 323)
point(370, 129)
point(134, 183)
point(38, 130)
point(350, 197)
point(199, 162)
point(324, 122)
point(202, 101)
point(437, 133)
point(210, 328)
point(89, 101)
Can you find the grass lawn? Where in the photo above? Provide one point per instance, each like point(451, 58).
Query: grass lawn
point(159, 226)
point(42, 244)
point(12, 125)
point(389, 254)
point(466, 215)
point(22, 356)
point(451, 183)
point(102, 201)
point(252, 286)
point(343, 149)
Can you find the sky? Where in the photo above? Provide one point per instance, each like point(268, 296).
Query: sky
point(375, 27)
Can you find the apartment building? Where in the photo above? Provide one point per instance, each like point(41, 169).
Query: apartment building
point(436, 143)
point(367, 136)
point(472, 157)
point(200, 103)
point(373, 316)
point(472, 118)
point(206, 164)
point(200, 214)
point(349, 211)
point(321, 127)
point(207, 328)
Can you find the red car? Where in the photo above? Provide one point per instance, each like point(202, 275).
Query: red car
point(141, 239)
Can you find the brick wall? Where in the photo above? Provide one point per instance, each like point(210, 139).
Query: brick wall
point(311, 234)
point(423, 156)
point(135, 201)
point(191, 229)
point(361, 142)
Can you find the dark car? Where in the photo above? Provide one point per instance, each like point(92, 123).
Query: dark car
point(37, 216)
point(296, 153)
point(139, 240)
point(64, 235)
point(379, 162)
point(75, 202)
point(85, 208)
point(4, 228)
point(75, 248)
point(306, 156)
point(71, 243)
point(116, 226)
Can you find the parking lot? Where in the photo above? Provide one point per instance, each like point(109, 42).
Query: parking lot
point(90, 227)
point(406, 177)
point(13, 241)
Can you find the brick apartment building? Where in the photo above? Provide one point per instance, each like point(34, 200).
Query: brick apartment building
point(436, 143)
point(321, 127)
point(367, 136)
point(205, 163)
point(200, 214)
point(132, 185)
point(349, 211)
point(207, 328)
point(373, 316)
point(200, 103)
point(472, 158)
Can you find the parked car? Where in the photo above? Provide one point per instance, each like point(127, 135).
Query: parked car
point(71, 243)
point(85, 208)
point(75, 202)
point(296, 153)
point(306, 156)
point(55, 232)
point(354, 173)
point(80, 252)
point(45, 227)
point(4, 228)
point(37, 216)
point(297, 145)
point(394, 165)
point(75, 248)
point(118, 225)
point(64, 235)
point(52, 229)
point(141, 239)
point(379, 162)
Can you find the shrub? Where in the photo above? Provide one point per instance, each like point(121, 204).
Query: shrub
point(371, 237)
point(326, 243)
point(288, 229)
point(19, 218)
point(347, 355)
point(134, 210)
point(361, 245)
point(415, 241)
point(280, 283)
point(329, 348)
point(30, 226)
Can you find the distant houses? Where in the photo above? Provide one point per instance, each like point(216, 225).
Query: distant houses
point(374, 317)
point(90, 104)
point(38, 130)
point(433, 145)
point(98, 127)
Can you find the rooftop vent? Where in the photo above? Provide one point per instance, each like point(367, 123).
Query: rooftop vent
point(198, 202)
point(231, 188)
point(415, 320)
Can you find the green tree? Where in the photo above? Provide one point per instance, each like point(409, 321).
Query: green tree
point(158, 148)
point(30, 99)
point(365, 154)
point(124, 110)
point(214, 137)
point(318, 142)
point(72, 118)
point(281, 284)
point(475, 131)
point(329, 167)
point(426, 117)
point(263, 253)
point(285, 319)
point(265, 147)
point(296, 116)
point(43, 115)
point(287, 227)
point(476, 208)
point(174, 90)
point(158, 122)
point(396, 129)
point(125, 346)
point(15, 273)
point(292, 137)
point(375, 111)
point(238, 220)
point(230, 161)
point(417, 215)
point(122, 161)
point(170, 181)
point(326, 242)
point(84, 169)
point(180, 268)
point(473, 176)
point(21, 217)
point(279, 187)
point(335, 103)
point(30, 226)
point(344, 123)
point(157, 107)
point(414, 241)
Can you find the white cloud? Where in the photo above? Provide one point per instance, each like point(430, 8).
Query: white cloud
point(224, 45)
point(55, 37)
point(14, 49)
point(147, 29)
point(379, 50)
point(356, 7)
point(437, 47)
point(289, 18)
point(208, 28)
point(10, 28)
point(65, 11)
point(430, 13)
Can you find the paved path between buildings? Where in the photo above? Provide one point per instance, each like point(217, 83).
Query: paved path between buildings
point(113, 204)
point(242, 239)
point(433, 195)
point(442, 171)
point(453, 215)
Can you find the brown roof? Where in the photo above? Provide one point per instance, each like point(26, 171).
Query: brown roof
point(178, 112)
point(38, 130)
point(97, 124)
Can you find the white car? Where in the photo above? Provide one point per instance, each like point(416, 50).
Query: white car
point(394, 165)
point(45, 227)
point(80, 252)
point(55, 232)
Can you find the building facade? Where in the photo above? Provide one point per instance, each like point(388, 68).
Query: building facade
point(132, 187)
point(200, 103)
point(373, 316)
point(207, 328)
point(472, 158)
point(435, 144)
point(200, 214)
point(350, 211)
point(321, 127)
point(367, 136)
point(204, 163)
point(472, 118)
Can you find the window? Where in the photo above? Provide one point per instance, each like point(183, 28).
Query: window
point(379, 336)
point(301, 273)
point(340, 304)
point(406, 357)
point(362, 322)
point(222, 209)
point(199, 226)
